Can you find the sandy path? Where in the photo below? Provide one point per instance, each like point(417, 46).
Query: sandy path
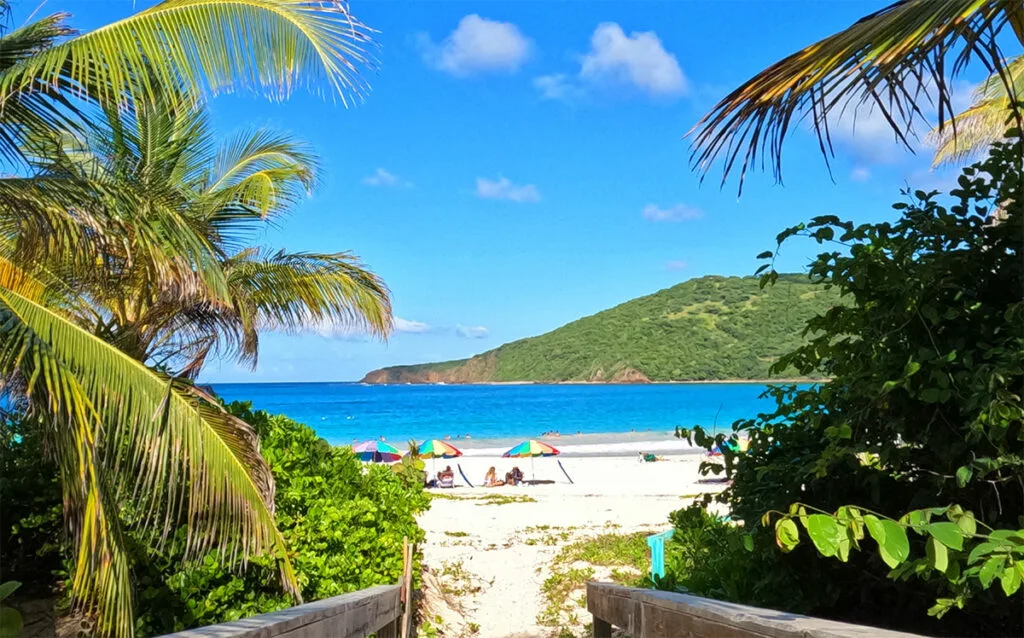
point(486, 561)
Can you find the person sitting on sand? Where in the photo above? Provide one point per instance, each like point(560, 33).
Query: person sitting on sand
point(491, 478)
point(516, 475)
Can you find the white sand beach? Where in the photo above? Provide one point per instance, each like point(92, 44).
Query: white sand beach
point(487, 558)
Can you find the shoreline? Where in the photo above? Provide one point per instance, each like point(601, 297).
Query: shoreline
point(630, 383)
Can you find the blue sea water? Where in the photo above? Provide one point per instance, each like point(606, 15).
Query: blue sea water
point(343, 412)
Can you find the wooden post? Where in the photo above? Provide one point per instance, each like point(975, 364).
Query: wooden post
point(389, 630)
point(602, 629)
point(407, 556)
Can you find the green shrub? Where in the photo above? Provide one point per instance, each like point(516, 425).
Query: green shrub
point(342, 520)
point(923, 410)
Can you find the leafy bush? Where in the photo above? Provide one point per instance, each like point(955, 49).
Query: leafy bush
point(342, 520)
point(31, 532)
point(923, 411)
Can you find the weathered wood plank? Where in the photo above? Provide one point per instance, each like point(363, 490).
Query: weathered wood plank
point(354, 615)
point(645, 613)
point(602, 629)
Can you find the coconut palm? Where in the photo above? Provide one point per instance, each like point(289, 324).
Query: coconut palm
point(897, 60)
point(121, 431)
point(203, 45)
point(162, 156)
point(985, 121)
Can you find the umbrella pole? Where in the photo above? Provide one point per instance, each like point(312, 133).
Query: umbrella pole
point(533, 472)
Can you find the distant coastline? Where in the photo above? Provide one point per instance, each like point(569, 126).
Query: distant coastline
point(680, 382)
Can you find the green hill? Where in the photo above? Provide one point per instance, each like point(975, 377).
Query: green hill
point(711, 328)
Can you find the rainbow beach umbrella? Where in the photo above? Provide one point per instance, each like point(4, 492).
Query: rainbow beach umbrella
point(437, 449)
point(531, 449)
point(376, 452)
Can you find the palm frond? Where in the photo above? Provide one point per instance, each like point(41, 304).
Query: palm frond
point(972, 131)
point(263, 173)
point(180, 451)
point(894, 60)
point(217, 45)
point(293, 292)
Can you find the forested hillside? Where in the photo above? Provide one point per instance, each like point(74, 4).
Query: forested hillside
point(711, 328)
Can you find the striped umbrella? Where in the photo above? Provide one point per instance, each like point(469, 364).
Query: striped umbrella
point(437, 449)
point(531, 449)
point(376, 452)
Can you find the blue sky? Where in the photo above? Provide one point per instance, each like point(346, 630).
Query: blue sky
point(518, 165)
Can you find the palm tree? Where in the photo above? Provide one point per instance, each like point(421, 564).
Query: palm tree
point(162, 157)
point(120, 430)
point(985, 121)
point(894, 60)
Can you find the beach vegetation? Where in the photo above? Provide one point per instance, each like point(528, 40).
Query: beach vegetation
point(104, 233)
point(623, 557)
point(343, 522)
point(895, 61)
point(905, 467)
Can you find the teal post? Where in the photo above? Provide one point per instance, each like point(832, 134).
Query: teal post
point(657, 545)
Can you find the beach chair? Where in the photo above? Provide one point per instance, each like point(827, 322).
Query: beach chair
point(657, 544)
point(448, 481)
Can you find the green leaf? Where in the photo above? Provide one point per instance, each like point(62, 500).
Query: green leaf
point(980, 550)
point(1010, 580)
point(824, 532)
point(896, 547)
point(8, 588)
point(949, 534)
point(989, 570)
point(967, 524)
point(875, 528)
point(963, 475)
point(787, 536)
point(10, 622)
point(938, 555)
point(748, 542)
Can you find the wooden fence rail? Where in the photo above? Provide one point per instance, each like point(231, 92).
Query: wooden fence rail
point(645, 613)
point(356, 615)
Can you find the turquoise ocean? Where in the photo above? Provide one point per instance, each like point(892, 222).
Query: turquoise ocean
point(343, 412)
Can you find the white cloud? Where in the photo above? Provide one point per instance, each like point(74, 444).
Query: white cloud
point(383, 178)
point(478, 45)
point(860, 174)
point(676, 213)
point(638, 59)
point(676, 264)
point(503, 188)
point(472, 332)
point(407, 325)
point(557, 86)
point(346, 331)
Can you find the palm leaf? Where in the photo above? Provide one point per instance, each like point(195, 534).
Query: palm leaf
point(272, 45)
point(179, 450)
point(984, 122)
point(293, 292)
point(894, 60)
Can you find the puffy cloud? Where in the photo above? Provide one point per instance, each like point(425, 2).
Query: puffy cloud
point(638, 59)
point(504, 188)
point(676, 264)
point(557, 86)
point(676, 213)
point(383, 178)
point(478, 45)
point(472, 332)
point(407, 325)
